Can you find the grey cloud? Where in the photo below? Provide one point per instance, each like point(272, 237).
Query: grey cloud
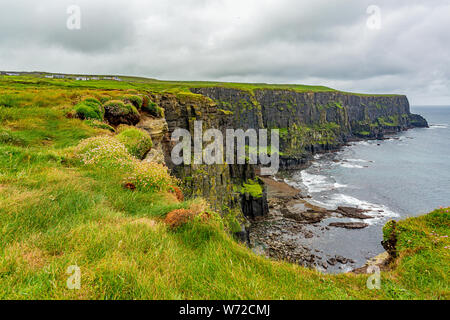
point(284, 41)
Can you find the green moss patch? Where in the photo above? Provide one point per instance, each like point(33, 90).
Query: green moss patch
point(89, 109)
point(253, 188)
point(138, 142)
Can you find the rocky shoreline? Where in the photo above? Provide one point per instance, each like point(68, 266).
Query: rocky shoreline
point(294, 223)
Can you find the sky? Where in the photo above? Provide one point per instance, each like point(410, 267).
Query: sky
point(376, 46)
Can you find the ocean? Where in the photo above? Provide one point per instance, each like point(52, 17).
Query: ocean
point(404, 176)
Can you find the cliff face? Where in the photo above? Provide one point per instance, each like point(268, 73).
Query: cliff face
point(308, 122)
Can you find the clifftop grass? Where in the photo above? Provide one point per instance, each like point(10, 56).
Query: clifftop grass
point(176, 87)
point(56, 212)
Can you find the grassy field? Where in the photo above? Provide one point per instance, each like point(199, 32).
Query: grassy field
point(56, 212)
point(182, 87)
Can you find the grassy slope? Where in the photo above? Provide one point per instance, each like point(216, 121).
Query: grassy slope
point(54, 214)
point(163, 86)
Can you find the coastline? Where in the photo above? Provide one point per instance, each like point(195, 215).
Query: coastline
point(294, 224)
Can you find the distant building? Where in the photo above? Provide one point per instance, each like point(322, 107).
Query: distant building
point(59, 76)
point(12, 74)
point(49, 77)
point(81, 78)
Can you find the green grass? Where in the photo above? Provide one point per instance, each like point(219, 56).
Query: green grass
point(181, 88)
point(252, 188)
point(55, 213)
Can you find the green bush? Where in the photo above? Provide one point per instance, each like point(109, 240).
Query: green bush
point(138, 142)
point(92, 100)
point(150, 176)
point(90, 108)
point(104, 152)
point(117, 112)
point(135, 100)
point(99, 125)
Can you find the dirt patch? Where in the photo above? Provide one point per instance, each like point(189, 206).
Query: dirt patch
point(279, 189)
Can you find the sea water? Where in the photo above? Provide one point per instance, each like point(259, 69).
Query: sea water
point(404, 176)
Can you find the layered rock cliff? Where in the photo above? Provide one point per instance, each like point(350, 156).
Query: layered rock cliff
point(308, 122)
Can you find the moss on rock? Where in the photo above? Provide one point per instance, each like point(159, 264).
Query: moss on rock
point(117, 112)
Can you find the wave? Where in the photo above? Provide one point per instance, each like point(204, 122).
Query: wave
point(317, 183)
point(357, 160)
point(350, 166)
point(379, 212)
point(438, 126)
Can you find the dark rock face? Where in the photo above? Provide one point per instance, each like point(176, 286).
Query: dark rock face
point(213, 182)
point(254, 207)
point(390, 244)
point(308, 123)
point(418, 121)
point(311, 122)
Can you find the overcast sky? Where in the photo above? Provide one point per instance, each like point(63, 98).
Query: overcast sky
point(274, 41)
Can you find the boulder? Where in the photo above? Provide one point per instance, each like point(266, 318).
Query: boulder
point(354, 213)
point(349, 225)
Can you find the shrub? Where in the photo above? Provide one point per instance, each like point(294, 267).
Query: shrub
point(99, 125)
point(135, 100)
point(104, 152)
point(153, 109)
point(92, 100)
point(179, 217)
point(117, 112)
point(90, 108)
point(199, 209)
point(150, 176)
point(138, 142)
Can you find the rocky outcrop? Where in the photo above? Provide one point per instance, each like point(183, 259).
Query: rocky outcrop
point(214, 182)
point(349, 225)
point(354, 213)
point(308, 122)
point(255, 207)
point(311, 122)
point(158, 130)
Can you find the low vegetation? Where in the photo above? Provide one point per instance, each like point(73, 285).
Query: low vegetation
point(72, 194)
point(138, 142)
